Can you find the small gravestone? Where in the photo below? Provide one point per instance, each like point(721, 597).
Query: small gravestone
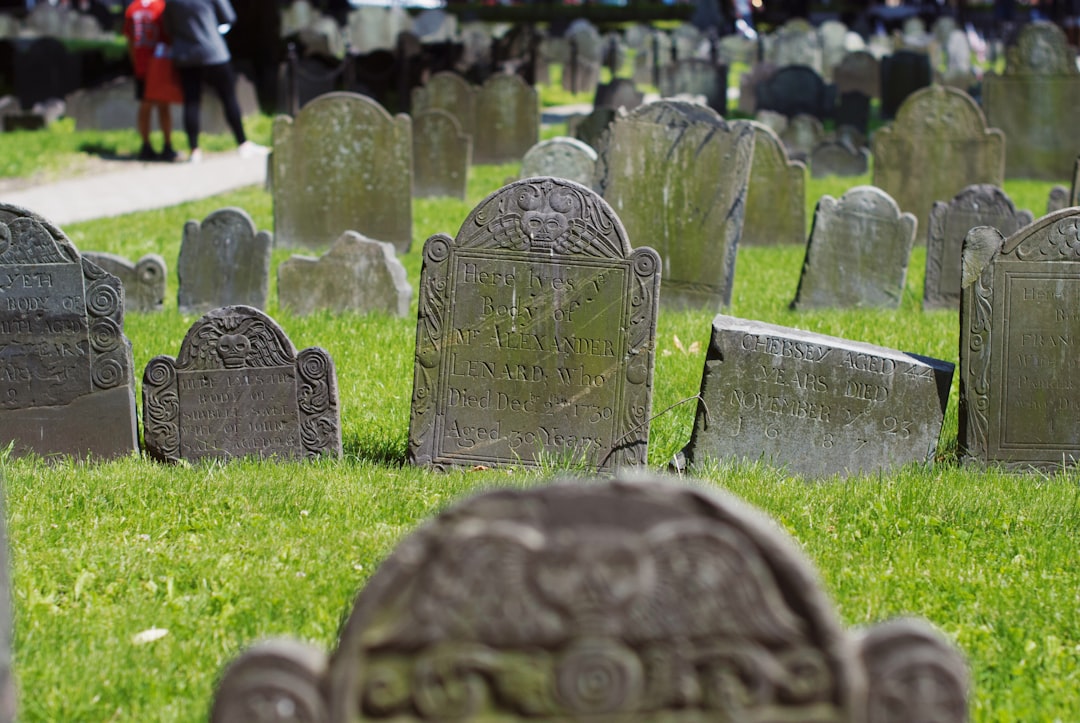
point(589, 129)
point(695, 76)
point(66, 375)
point(778, 122)
point(357, 274)
point(775, 196)
point(619, 93)
point(748, 83)
point(902, 73)
point(238, 388)
point(858, 71)
point(796, 42)
point(677, 174)
point(223, 261)
point(858, 252)
point(793, 90)
point(1058, 199)
point(813, 404)
point(143, 281)
point(441, 155)
point(1019, 330)
point(535, 335)
point(978, 205)
point(837, 158)
point(561, 157)
point(451, 93)
point(507, 120)
point(802, 134)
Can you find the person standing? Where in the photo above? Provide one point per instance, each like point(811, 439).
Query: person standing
point(142, 28)
point(196, 30)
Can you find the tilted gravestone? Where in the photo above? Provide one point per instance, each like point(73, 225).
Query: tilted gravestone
point(630, 600)
point(507, 120)
point(238, 388)
point(977, 205)
point(775, 195)
point(441, 155)
point(695, 76)
point(357, 274)
point(813, 404)
point(858, 252)
point(938, 145)
point(449, 92)
point(535, 334)
point(343, 163)
point(837, 158)
point(224, 260)
point(1019, 331)
point(143, 281)
point(67, 383)
point(795, 89)
point(677, 174)
point(561, 157)
point(1035, 103)
point(902, 73)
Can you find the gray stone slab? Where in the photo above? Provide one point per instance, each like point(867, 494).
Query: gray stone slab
point(67, 383)
point(535, 335)
point(143, 280)
point(776, 194)
point(224, 260)
point(619, 93)
point(449, 92)
point(589, 129)
point(561, 157)
point(802, 134)
point(796, 42)
point(858, 252)
point(815, 405)
point(442, 154)
point(1019, 327)
point(507, 120)
point(238, 388)
point(858, 71)
point(1057, 199)
point(837, 158)
point(696, 76)
point(902, 73)
point(357, 274)
point(795, 89)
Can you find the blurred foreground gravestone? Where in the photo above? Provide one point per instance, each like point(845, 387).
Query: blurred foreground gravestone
point(224, 260)
point(239, 388)
point(627, 600)
point(535, 334)
point(67, 383)
point(143, 281)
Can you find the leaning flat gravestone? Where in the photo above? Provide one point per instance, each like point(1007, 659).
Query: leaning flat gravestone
point(1019, 332)
point(507, 120)
point(627, 600)
point(561, 157)
point(815, 405)
point(357, 274)
point(343, 163)
point(66, 372)
point(776, 195)
point(535, 335)
point(978, 205)
point(449, 92)
point(938, 145)
point(238, 388)
point(223, 261)
point(143, 281)
point(441, 155)
point(1035, 103)
point(858, 252)
point(676, 174)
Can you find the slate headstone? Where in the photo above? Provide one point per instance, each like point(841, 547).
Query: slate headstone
point(853, 110)
point(858, 252)
point(836, 158)
point(902, 73)
point(67, 383)
point(589, 129)
point(143, 281)
point(507, 120)
point(619, 93)
point(695, 76)
point(535, 334)
point(775, 196)
point(441, 155)
point(449, 92)
point(238, 388)
point(561, 157)
point(224, 260)
point(795, 89)
point(858, 71)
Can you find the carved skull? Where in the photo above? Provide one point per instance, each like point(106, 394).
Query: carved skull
point(233, 349)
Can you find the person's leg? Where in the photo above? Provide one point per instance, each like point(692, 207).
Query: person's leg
point(142, 121)
point(191, 84)
point(165, 121)
point(221, 79)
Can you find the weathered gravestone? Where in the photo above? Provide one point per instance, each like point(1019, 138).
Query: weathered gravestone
point(449, 92)
point(795, 89)
point(143, 281)
point(902, 73)
point(677, 174)
point(589, 129)
point(959, 71)
point(1019, 330)
point(627, 600)
point(535, 334)
point(239, 388)
point(585, 48)
point(374, 28)
point(357, 274)
point(223, 261)
point(977, 205)
point(938, 145)
point(1061, 197)
point(748, 83)
point(561, 157)
point(775, 195)
point(796, 42)
point(813, 404)
point(695, 76)
point(853, 110)
point(1035, 103)
point(802, 134)
point(858, 71)
point(441, 155)
point(507, 120)
point(831, 35)
point(858, 252)
point(67, 383)
point(837, 158)
point(619, 93)
point(343, 163)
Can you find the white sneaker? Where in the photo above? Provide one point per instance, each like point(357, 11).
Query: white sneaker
point(195, 156)
point(250, 149)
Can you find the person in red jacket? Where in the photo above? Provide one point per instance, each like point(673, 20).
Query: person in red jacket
point(142, 27)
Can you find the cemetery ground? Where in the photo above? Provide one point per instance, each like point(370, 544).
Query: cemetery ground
point(134, 583)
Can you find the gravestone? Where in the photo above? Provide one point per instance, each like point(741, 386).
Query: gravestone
point(815, 405)
point(858, 252)
point(652, 59)
point(748, 83)
point(299, 14)
point(803, 134)
point(796, 42)
point(853, 110)
point(143, 281)
point(775, 195)
point(677, 174)
point(238, 388)
point(67, 383)
point(858, 71)
point(449, 92)
point(357, 274)
point(694, 76)
point(223, 261)
point(371, 28)
point(585, 48)
point(831, 35)
point(1061, 197)
point(589, 129)
point(1035, 103)
point(977, 205)
point(959, 71)
point(343, 163)
point(619, 93)
point(435, 26)
point(561, 157)
point(1019, 326)
point(778, 122)
point(44, 69)
point(507, 120)
point(938, 145)
point(795, 89)
point(902, 73)
point(535, 335)
point(837, 158)
point(441, 155)
point(630, 600)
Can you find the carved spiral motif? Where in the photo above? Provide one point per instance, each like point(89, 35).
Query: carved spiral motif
point(149, 273)
point(637, 371)
point(598, 678)
point(386, 689)
point(160, 373)
point(436, 250)
point(102, 299)
point(107, 373)
point(104, 335)
point(312, 365)
point(644, 264)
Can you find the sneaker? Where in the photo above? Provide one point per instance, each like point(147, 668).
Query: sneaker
point(167, 154)
point(250, 149)
point(146, 153)
point(195, 156)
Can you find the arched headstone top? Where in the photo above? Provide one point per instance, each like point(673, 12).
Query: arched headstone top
point(942, 110)
point(1041, 49)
